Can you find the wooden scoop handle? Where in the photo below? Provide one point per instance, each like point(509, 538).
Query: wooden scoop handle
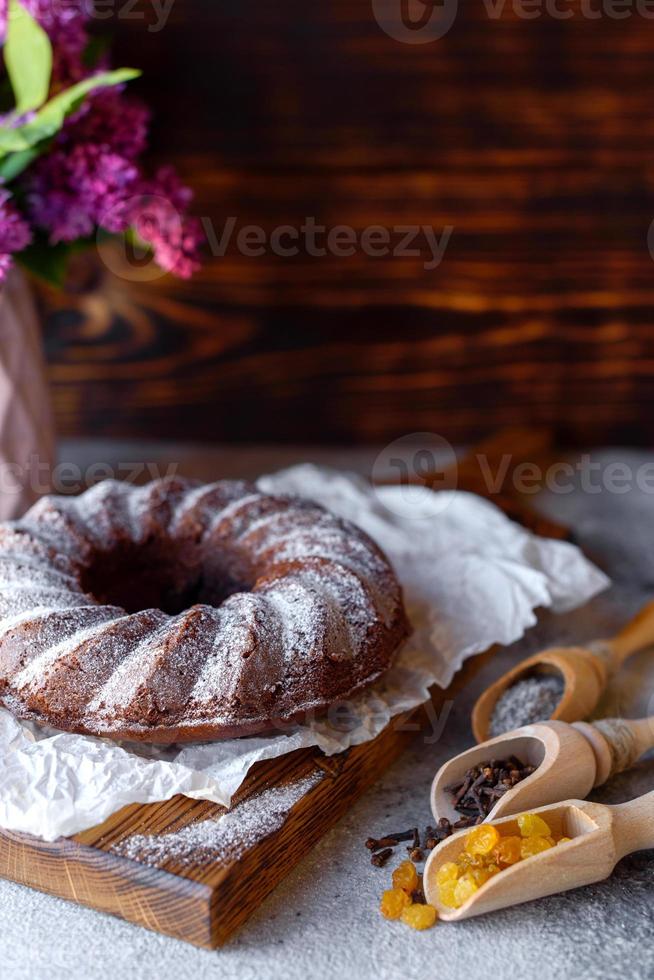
point(636, 635)
point(617, 743)
point(634, 825)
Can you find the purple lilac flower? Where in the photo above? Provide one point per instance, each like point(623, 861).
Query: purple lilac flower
point(72, 190)
point(89, 178)
point(14, 232)
point(90, 173)
point(111, 120)
point(158, 216)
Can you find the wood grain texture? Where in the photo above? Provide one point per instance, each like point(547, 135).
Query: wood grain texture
point(532, 138)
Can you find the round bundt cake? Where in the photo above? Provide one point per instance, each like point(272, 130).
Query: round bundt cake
point(180, 611)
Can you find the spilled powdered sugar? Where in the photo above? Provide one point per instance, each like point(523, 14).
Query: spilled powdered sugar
point(224, 838)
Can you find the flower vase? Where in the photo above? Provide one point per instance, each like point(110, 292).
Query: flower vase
point(26, 424)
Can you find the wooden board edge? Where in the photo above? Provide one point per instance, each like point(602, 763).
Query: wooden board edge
point(143, 895)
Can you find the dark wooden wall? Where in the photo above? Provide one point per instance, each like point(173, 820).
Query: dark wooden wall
point(533, 138)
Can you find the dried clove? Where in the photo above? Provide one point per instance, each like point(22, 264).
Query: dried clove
point(392, 840)
point(380, 859)
point(476, 794)
point(378, 845)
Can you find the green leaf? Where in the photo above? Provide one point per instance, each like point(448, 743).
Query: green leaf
point(48, 262)
point(28, 57)
point(12, 140)
point(50, 118)
point(14, 164)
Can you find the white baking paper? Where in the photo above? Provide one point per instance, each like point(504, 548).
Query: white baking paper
point(471, 578)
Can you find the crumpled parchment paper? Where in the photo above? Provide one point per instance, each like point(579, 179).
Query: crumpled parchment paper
point(471, 578)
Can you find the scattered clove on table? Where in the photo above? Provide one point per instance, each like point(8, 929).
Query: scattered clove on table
point(473, 797)
point(381, 857)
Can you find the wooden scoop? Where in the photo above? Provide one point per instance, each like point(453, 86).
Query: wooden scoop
point(585, 672)
point(601, 836)
point(570, 760)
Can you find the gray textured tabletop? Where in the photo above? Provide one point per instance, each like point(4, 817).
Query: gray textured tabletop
point(323, 920)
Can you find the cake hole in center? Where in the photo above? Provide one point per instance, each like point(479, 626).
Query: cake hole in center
point(160, 575)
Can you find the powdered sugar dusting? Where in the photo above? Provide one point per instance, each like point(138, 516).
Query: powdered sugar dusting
point(340, 586)
point(230, 510)
point(303, 617)
point(36, 671)
point(225, 838)
point(24, 600)
point(120, 689)
point(55, 622)
point(16, 571)
point(110, 507)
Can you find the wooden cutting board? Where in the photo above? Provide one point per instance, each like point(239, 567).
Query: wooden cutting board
point(203, 893)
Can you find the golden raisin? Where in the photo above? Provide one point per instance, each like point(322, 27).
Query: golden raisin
point(534, 845)
point(466, 861)
point(464, 888)
point(482, 839)
point(448, 871)
point(446, 893)
point(419, 916)
point(481, 875)
point(405, 876)
point(508, 850)
point(393, 903)
point(531, 825)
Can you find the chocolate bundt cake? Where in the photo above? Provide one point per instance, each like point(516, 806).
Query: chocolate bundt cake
point(180, 611)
